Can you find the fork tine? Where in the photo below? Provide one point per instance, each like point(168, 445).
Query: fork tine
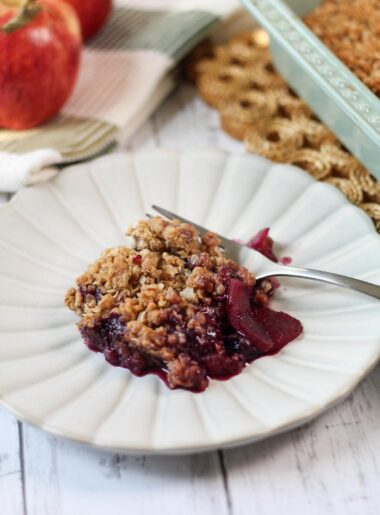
point(165, 212)
point(202, 230)
point(172, 216)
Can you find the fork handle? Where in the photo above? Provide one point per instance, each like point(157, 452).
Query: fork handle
point(326, 277)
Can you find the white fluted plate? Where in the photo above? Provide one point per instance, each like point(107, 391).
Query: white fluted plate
point(49, 233)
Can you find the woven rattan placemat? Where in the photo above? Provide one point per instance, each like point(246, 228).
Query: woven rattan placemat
point(256, 106)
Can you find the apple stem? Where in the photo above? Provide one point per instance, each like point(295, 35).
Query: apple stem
point(28, 9)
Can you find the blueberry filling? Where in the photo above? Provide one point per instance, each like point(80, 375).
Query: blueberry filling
point(238, 331)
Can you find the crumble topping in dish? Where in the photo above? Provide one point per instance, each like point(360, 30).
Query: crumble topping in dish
point(351, 29)
point(176, 306)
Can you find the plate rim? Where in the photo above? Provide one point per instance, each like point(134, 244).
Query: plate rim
point(313, 412)
point(189, 450)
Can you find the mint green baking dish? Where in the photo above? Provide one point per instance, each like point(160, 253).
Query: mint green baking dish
point(338, 98)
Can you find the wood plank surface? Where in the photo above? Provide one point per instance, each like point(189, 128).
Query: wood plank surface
point(11, 465)
point(67, 478)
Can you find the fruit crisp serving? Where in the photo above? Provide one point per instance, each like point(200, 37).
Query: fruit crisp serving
point(173, 304)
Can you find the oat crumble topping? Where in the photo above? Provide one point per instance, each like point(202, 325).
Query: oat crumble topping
point(162, 305)
point(351, 29)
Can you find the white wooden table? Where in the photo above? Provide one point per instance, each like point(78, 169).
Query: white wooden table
point(330, 466)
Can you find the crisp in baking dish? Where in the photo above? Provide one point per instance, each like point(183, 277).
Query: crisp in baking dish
point(336, 95)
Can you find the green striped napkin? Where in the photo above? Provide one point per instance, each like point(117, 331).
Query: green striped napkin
point(126, 72)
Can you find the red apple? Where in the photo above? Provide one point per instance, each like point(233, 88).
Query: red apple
point(93, 15)
point(40, 45)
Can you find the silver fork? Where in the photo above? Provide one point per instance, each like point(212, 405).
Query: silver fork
point(265, 268)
